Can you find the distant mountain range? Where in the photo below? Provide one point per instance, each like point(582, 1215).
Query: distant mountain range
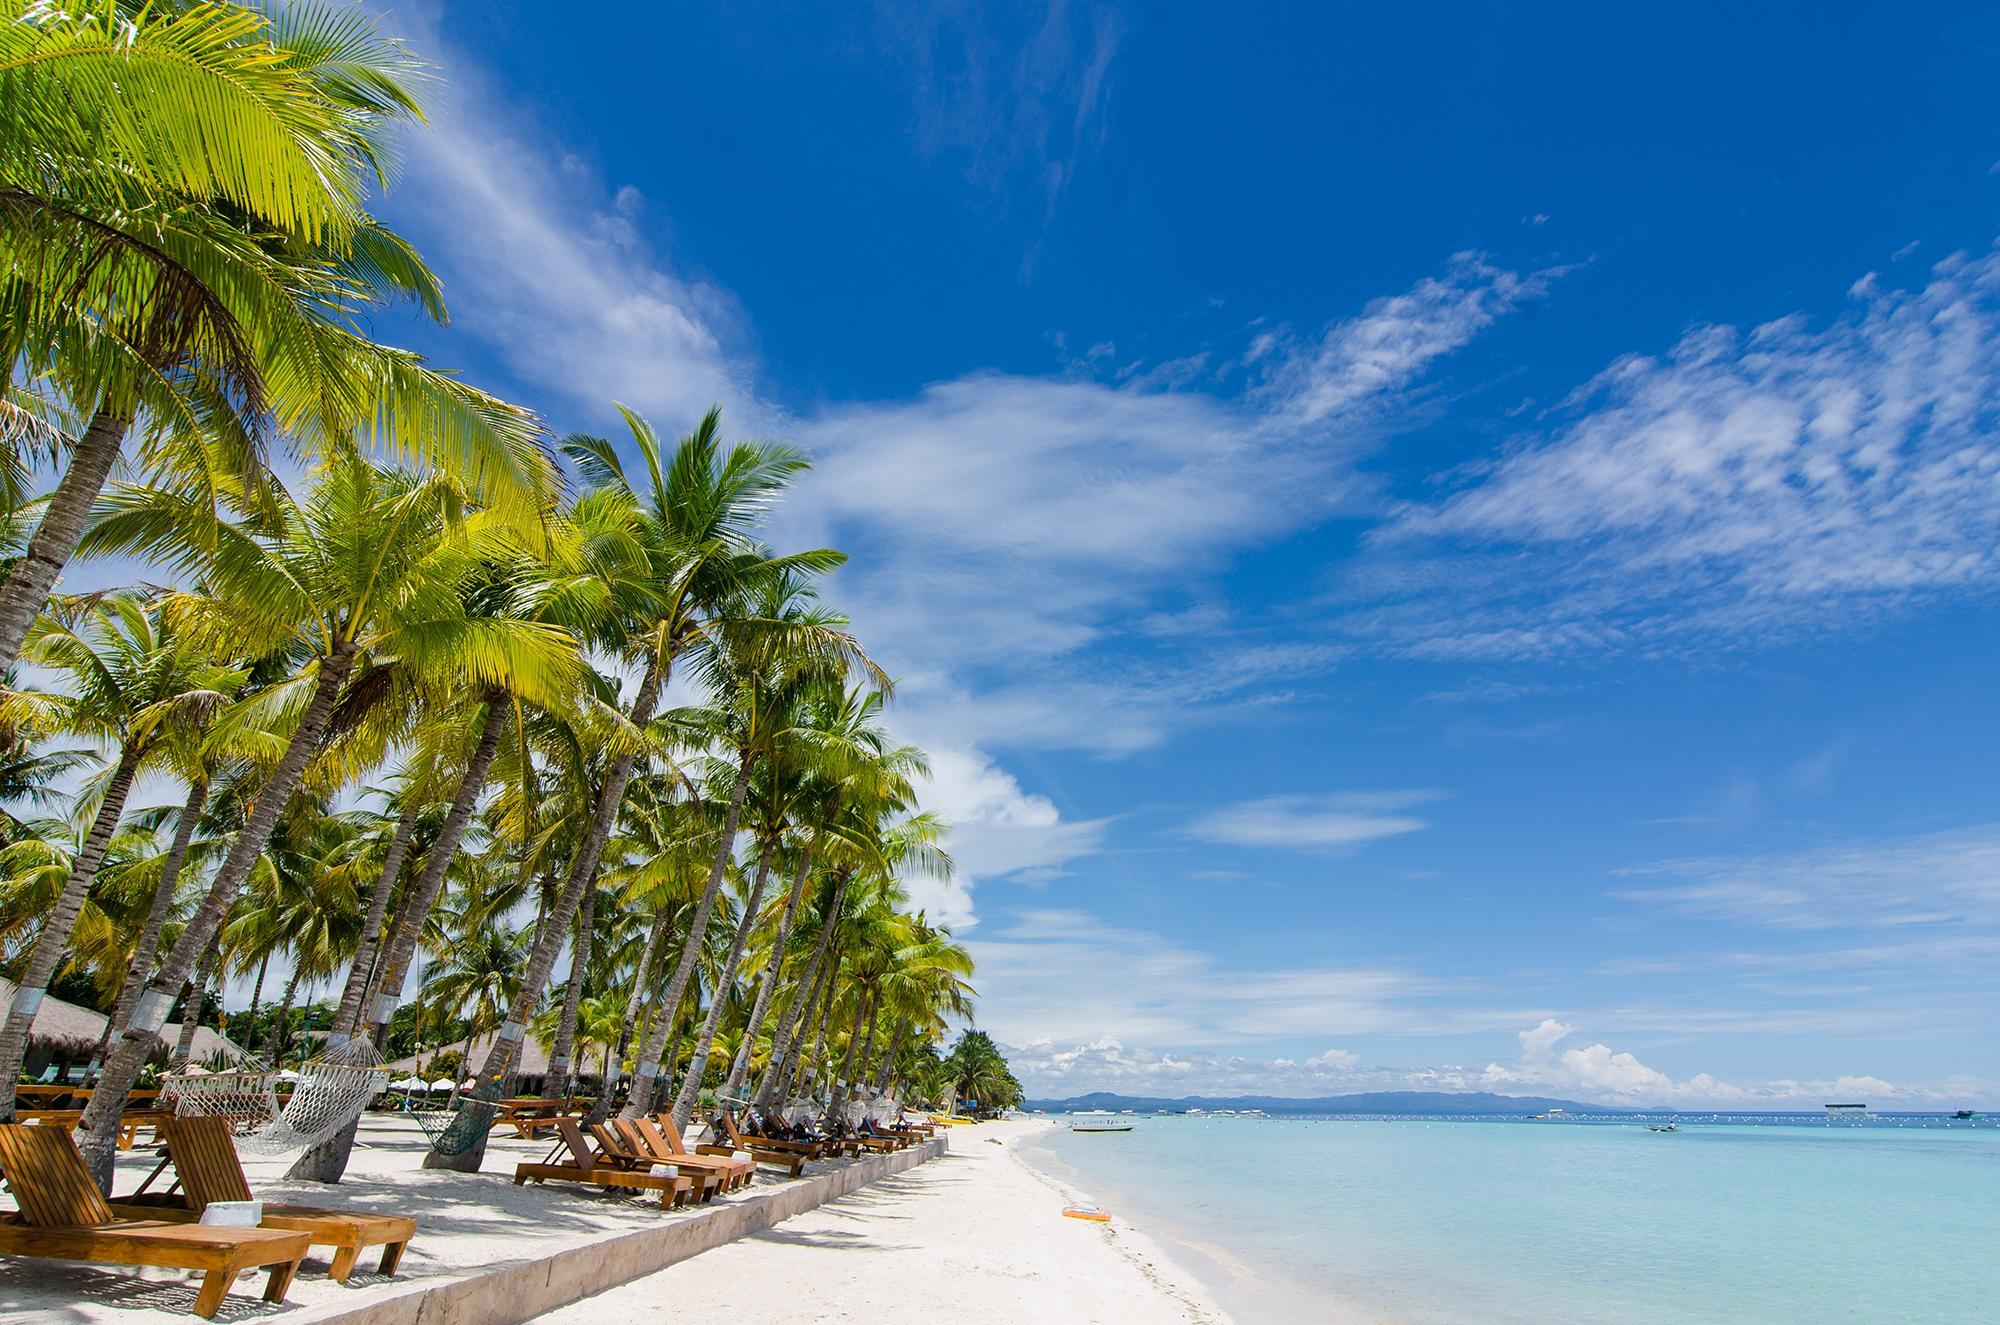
point(1380, 1101)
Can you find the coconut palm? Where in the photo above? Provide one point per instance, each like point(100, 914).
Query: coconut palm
point(135, 683)
point(176, 285)
point(369, 565)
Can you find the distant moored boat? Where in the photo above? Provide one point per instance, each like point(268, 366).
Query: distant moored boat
point(1099, 1122)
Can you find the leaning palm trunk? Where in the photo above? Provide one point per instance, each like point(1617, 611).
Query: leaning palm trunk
point(198, 995)
point(782, 1046)
point(98, 1131)
point(698, 1065)
point(417, 903)
point(556, 1084)
point(635, 1003)
point(646, 1072)
point(156, 917)
point(327, 1161)
point(506, 1050)
point(256, 1001)
point(53, 941)
point(888, 1071)
point(281, 1031)
point(810, 1063)
point(740, 1068)
point(838, 1099)
point(56, 537)
point(347, 1017)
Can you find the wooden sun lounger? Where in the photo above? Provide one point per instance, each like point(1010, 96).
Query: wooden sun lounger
point(129, 1123)
point(204, 1158)
point(644, 1138)
point(778, 1151)
point(663, 1123)
point(584, 1165)
point(64, 1217)
point(612, 1150)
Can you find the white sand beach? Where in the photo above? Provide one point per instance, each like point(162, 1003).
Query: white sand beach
point(977, 1237)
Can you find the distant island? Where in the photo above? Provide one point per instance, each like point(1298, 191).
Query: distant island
point(1380, 1101)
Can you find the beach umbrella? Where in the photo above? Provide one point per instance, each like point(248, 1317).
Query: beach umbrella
point(442, 1083)
point(407, 1083)
point(288, 1075)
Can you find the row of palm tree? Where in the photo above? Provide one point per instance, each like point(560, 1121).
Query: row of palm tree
point(434, 703)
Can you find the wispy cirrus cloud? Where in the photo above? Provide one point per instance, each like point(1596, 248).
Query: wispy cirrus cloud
point(1314, 822)
point(1746, 484)
point(1949, 878)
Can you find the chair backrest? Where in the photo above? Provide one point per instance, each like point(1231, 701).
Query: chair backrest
point(204, 1156)
point(735, 1132)
point(48, 1178)
point(611, 1143)
point(666, 1137)
point(578, 1143)
point(645, 1147)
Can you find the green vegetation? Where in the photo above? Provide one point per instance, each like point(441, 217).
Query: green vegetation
point(406, 714)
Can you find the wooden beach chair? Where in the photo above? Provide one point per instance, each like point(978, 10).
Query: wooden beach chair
point(644, 1137)
point(584, 1165)
point(64, 1217)
point(784, 1154)
point(670, 1135)
point(613, 1152)
point(204, 1158)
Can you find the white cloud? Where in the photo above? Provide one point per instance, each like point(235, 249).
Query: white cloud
point(1314, 822)
point(1745, 484)
point(1063, 975)
point(1592, 1073)
point(1949, 878)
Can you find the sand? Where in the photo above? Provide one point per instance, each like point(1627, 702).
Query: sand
point(975, 1238)
point(466, 1222)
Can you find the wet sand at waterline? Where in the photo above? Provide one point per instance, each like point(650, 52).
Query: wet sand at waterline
point(976, 1237)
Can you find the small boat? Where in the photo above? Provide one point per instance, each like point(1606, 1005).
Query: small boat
point(1965, 1113)
point(1099, 1122)
point(1663, 1127)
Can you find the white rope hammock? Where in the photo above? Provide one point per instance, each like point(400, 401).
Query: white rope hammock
point(331, 1091)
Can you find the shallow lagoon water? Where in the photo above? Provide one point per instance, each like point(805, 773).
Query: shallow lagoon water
point(1456, 1221)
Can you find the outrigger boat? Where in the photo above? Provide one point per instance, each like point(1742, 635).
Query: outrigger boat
point(1099, 1122)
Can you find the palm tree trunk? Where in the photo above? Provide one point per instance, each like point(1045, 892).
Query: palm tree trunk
point(555, 1086)
point(506, 1050)
point(256, 999)
point(347, 1017)
point(768, 985)
point(647, 1069)
point(817, 1058)
point(56, 537)
point(422, 895)
point(634, 1004)
point(782, 1046)
point(53, 941)
point(163, 902)
point(98, 1131)
point(838, 1100)
point(281, 1033)
point(698, 1065)
point(327, 1161)
point(191, 1015)
point(889, 1062)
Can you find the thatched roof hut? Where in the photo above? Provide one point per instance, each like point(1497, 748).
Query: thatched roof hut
point(68, 1033)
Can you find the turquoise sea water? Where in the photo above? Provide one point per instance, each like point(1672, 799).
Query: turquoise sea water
point(1457, 1222)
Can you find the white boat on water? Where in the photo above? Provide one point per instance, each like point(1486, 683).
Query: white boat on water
point(1099, 1122)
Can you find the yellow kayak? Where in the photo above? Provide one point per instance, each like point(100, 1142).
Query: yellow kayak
point(947, 1118)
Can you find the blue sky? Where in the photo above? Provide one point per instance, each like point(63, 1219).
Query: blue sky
point(1446, 548)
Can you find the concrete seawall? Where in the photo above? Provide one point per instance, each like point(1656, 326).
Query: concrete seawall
point(507, 1292)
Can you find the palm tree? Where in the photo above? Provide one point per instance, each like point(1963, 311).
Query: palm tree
point(135, 683)
point(196, 267)
point(370, 565)
point(693, 517)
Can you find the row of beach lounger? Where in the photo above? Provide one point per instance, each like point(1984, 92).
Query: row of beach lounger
point(63, 1216)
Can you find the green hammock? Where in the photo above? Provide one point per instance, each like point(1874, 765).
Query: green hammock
point(455, 1130)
